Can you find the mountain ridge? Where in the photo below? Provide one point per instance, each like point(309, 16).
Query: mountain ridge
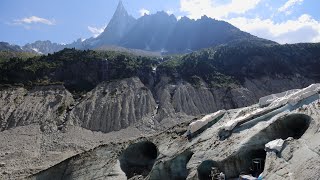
point(159, 32)
point(165, 33)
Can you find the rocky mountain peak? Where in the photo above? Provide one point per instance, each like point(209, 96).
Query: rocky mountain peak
point(43, 47)
point(120, 23)
point(120, 10)
point(120, 17)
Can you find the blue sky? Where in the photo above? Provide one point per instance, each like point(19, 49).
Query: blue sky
point(63, 21)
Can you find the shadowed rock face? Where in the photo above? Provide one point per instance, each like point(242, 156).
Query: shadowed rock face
point(4, 46)
point(138, 159)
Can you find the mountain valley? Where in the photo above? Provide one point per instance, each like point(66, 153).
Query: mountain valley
point(160, 97)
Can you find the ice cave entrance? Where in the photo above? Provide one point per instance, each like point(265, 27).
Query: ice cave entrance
point(250, 159)
point(258, 158)
point(207, 170)
point(138, 158)
point(294, 125)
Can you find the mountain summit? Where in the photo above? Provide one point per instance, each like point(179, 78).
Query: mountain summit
point(163, 32)
point(118, 26)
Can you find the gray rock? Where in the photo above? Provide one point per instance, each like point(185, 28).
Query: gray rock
point(2, 164)
point(113, 106)
point(44, 105)
point(185, 98)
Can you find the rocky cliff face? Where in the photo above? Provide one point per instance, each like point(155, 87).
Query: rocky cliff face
point(186, 98)
point(109, 107)
point(41, 105)
point(114, 106)
point(150, 32)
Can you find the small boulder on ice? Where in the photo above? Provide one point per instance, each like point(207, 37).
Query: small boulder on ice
point(275, 145)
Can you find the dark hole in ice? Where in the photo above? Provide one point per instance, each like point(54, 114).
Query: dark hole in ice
point(294, 125)
point(247, 162)
point(138, 158)
point(257, 158)
point(205, 169)
point(250, 159)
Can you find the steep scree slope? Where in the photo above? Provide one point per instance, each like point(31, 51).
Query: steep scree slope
point(114, 106)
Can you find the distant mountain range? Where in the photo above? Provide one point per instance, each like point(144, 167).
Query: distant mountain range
point(4, 46)
point(158, 32)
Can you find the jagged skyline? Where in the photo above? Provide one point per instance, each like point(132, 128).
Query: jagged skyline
point(285, 21)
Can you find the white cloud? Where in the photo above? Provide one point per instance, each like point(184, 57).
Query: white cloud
point(197, 8)
point(288, 5)
point(144, 11)
point(303, 29)
point(96, 31)
point(34, 20)
point(170, 12)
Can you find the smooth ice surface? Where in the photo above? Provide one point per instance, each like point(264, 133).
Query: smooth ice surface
point(195, 126)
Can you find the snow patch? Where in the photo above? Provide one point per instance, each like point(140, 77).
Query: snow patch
point(37, 50)
point(195, 126)
point(275, 145)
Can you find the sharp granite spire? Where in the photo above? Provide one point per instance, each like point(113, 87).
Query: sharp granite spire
point(120, 9)
point(120, 23)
